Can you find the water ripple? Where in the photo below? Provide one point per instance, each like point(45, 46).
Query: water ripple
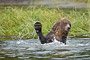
point(32, 49)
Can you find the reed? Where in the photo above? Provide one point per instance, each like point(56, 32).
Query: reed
point(20, 21)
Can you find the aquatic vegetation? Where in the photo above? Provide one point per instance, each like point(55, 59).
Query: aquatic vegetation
point(20, 21)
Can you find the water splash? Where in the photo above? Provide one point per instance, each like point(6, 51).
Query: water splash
point(36, 45)
point(24, 49)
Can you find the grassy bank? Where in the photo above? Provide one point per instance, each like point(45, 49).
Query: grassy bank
point(19, 21)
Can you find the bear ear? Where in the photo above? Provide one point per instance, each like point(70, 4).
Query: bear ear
point(63, 19)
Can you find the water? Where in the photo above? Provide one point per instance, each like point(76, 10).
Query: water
point(47, 3)
point(61, 4)
point(75, 49)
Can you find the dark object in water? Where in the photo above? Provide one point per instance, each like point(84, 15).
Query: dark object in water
point(59, 31)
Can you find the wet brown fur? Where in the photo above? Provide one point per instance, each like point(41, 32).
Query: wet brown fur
point(57, 32)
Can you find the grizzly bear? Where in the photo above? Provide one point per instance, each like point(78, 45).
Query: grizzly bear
point(59, 31)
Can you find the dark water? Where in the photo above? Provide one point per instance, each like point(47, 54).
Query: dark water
point(75, 49)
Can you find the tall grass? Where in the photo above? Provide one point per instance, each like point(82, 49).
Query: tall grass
point(20, 21)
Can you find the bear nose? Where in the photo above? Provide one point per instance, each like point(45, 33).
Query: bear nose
point(68, 28)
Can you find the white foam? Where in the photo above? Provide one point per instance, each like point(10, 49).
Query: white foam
point(21, 42)
point(48, 46)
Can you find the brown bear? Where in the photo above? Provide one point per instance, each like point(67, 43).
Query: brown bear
point(59, 31)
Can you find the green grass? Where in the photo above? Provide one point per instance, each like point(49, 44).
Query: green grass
point(20, 21)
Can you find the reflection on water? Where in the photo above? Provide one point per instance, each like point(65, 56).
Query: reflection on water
point(75, 49)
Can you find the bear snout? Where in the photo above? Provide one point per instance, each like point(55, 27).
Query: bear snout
point(67, 27)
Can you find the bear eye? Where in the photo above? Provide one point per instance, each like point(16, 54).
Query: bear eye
point(65, 23)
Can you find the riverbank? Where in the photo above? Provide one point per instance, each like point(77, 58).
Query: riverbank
point(20, 21)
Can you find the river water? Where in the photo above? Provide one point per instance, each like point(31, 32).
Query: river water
point(75, 49)
point(61, 4)
point(48, 3)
